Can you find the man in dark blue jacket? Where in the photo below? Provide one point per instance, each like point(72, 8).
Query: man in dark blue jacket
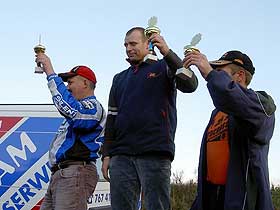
point(141, 123)
point(233, 165)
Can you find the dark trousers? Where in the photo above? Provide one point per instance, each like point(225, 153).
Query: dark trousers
point(214, 197)
point(129, 175)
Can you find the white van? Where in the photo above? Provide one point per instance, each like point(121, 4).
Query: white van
point(26, 132)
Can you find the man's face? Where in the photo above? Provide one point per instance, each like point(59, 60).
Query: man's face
point(76, 85)
point(236, 77)
point(225, 68)
point(136, 47)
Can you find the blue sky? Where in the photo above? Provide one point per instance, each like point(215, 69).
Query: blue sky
point(92, 33)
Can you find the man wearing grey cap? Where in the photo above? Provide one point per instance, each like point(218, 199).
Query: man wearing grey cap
point(233, 166)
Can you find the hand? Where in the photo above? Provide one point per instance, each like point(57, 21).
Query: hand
point(199, 60)
point(105, 168)
point(160, 43)
point(45, 61)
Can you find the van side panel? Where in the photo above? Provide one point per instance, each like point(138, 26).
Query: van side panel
point(26, 132)
point(24, 168)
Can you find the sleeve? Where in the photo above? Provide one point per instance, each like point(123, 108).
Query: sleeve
point(111, 117)
point(242, 103)
point(187, 85)
point(84, 115)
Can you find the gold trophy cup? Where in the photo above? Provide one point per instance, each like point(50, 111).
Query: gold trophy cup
point(39, 49)
point(151, 29)
point(183, 72)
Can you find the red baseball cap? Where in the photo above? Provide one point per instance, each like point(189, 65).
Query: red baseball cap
point(82, 71)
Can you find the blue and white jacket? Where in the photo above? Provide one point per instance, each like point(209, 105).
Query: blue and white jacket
point(81, 134)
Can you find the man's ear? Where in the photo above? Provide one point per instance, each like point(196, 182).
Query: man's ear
point(147, 44)
point(242, 74)
point(86, 84)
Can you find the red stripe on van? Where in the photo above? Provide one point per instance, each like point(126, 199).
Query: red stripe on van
point(37, 206)
point(6, 123)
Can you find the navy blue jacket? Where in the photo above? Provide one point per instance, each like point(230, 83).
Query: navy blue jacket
point(251, 125)
point(142, 115)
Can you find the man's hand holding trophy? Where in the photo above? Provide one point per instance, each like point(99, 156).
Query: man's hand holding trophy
point(39, 49)
point(183, 72)
point(44, 64)
point(149, 31)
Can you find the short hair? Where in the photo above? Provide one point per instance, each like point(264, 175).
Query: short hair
point(235, 68)
point(137, 28)
point(91, 85)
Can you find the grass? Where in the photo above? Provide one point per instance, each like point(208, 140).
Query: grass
point(183, 193)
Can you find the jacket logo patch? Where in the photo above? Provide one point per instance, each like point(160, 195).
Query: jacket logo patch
point(88, 104)
point(151, 75)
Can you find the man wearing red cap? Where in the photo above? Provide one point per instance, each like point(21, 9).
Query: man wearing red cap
point(233, 164)
point(76, 147)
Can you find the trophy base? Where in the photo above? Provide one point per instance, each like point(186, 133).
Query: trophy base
point(184, 73)
point(150, 58)
point(38, 70)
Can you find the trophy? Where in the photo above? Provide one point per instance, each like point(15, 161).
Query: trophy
point(183, 72)
point(39, 49)
point(151, 29)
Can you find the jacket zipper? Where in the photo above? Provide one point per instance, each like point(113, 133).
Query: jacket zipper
point(245, 197)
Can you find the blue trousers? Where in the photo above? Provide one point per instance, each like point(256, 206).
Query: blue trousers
point(131, 175)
